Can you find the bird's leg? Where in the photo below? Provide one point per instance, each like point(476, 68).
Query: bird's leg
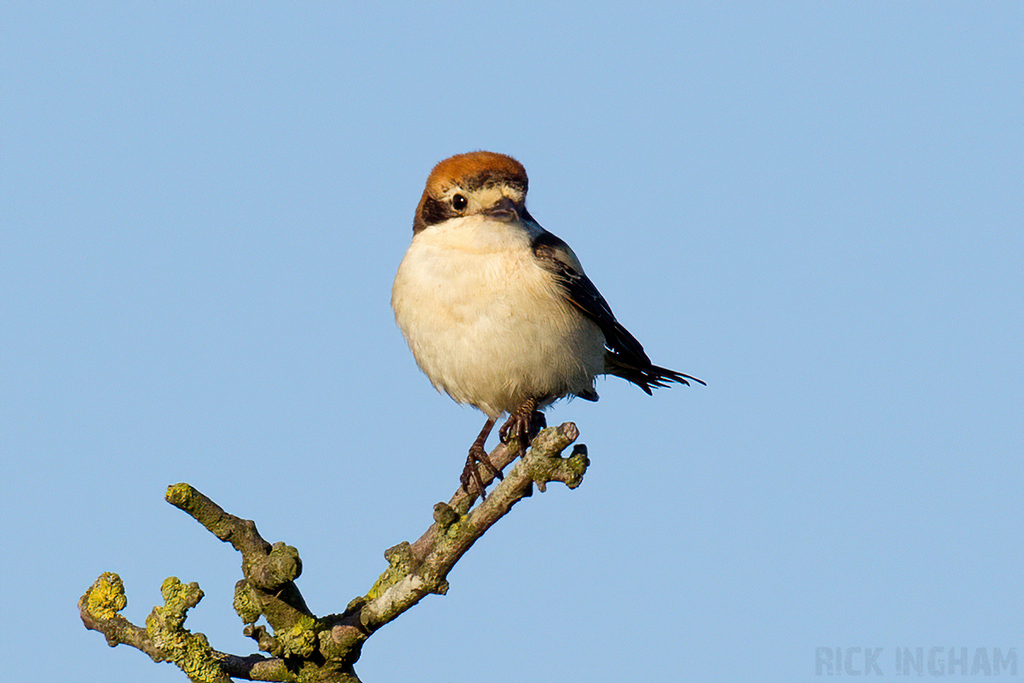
point(525, 423)
point(477, 454)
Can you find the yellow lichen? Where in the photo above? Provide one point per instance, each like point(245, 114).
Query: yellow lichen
point(246, 603)
point(106, 596)
point(400, 563)
point(300, 640)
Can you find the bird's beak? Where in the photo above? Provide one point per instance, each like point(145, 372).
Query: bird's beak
point(504, 210)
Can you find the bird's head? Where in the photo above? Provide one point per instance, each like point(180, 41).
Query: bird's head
point(484, 183)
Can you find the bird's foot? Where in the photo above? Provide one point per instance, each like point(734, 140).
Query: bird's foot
point(471, 473)
point(523, 424)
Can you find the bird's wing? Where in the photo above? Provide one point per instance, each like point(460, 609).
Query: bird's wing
point(557, 257)
point(626, 357)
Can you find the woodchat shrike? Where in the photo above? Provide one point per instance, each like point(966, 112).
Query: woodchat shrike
point(498, 311)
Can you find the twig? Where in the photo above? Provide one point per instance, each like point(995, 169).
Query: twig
point(303, 646)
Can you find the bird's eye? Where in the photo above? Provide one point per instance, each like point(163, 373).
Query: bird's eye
point(459, 202)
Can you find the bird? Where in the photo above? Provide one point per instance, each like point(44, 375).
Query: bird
point(499, 313)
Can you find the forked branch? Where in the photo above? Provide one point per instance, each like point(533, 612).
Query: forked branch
point(301, 646)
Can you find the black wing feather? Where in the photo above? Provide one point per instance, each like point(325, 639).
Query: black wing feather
point(626, 357)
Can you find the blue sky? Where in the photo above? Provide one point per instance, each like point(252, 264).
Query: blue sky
point(816, 207)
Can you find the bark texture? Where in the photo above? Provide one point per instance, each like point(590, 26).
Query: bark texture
point(299, 645)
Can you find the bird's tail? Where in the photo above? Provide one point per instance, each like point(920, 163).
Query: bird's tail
point(645, 376)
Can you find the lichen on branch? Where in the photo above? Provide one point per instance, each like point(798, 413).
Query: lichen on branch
point(302, 646)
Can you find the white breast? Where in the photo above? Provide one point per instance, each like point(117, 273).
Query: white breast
point(486, 323)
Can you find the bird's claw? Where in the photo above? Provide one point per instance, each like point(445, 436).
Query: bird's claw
point(524, 424)
point(471, 473)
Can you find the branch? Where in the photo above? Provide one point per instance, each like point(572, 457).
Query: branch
point(302, 646)
point(421, 568)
